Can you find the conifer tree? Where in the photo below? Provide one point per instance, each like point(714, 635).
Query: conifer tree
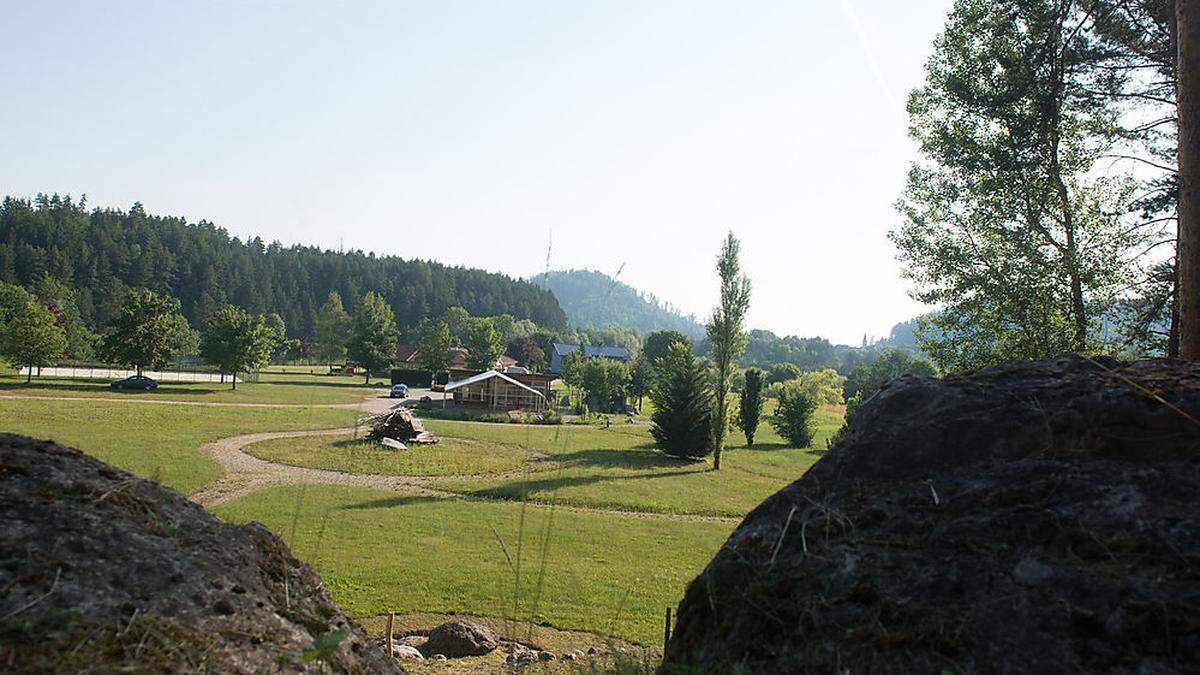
point(683, 408)
point(750, 404)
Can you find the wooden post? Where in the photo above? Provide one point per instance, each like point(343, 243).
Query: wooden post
point(391, 627)
point(1187, 15)
point(667, 633)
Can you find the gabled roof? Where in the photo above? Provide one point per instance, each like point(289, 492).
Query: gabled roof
point(562, 349)
point(487, 374)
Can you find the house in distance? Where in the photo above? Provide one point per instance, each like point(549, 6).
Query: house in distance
point(561, 350)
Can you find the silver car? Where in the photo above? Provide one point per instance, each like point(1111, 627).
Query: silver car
point(399, 391)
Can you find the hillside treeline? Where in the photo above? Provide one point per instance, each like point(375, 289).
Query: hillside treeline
point(101, 253)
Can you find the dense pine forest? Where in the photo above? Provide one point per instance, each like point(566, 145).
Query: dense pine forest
point(100, 253)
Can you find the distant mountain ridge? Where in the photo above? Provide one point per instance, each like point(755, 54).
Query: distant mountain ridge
point(593, 299)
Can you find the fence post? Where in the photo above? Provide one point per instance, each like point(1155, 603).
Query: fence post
point(391, 625)
point(666, 633)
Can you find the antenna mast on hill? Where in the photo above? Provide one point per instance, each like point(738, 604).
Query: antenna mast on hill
point(549, 247)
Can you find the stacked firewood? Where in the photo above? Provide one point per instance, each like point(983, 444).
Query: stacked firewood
point(398, 424)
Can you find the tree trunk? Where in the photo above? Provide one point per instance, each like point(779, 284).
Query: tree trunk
point(1187, 15)
point(29, 375)
point(233, 378)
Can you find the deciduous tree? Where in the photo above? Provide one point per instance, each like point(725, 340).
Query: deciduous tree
point(484, 345)
point(30, 335)
point(332, 330)
point(146, 332)
point(1007, 225)
point(726, 333)
point(373, 339)
point(436, 348)
point(237, 342)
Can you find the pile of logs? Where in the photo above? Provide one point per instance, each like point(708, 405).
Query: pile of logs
point(398, 424)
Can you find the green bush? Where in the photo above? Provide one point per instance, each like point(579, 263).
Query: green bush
point(793, 418)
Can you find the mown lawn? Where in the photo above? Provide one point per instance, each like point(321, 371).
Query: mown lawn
point(271, 388)
point(616, 467)
point(380, 552)
point(156, 441)
point(450, 456)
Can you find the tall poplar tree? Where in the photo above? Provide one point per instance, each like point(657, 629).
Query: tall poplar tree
point(727, 334)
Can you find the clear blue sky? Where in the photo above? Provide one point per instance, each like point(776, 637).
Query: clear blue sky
point(639, 132)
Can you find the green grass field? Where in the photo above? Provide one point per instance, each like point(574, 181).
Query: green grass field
point(380, 552)
point(607, 569)
point(271, 388)
point(156, 441)
point(613, 468)
point(451, 456)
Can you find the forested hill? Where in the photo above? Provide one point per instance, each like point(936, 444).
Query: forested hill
point(596, 300)
point(103, 252)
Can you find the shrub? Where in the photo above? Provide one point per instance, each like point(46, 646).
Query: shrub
point(750, 404)
point(683, 406)
point(793, 417)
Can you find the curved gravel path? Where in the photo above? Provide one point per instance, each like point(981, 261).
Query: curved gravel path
point(245, 474)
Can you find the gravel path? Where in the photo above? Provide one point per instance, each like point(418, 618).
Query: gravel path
point(245, 474)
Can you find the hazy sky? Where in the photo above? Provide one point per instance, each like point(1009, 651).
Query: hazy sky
point(639, 132)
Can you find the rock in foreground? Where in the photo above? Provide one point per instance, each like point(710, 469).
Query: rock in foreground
point(103, 571)
point(1029, 517)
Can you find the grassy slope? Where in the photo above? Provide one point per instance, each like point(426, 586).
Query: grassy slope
point(271, 388)
point(157, 441)
point(442, 556)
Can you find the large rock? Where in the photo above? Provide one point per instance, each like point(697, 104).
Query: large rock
point(459, 637)
point(103, 571)
point(1029, 517)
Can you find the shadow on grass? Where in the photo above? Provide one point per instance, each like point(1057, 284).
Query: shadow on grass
point(645, 456)
point(400, 500)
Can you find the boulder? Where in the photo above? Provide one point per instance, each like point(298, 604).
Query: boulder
point(407, 652)
point(1028, 517)
point(117, 573)
point(460, 637)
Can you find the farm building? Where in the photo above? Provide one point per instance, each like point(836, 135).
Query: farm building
point(561, 350)
point(493, 389)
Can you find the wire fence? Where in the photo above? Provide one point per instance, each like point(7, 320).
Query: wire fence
point(94, 371)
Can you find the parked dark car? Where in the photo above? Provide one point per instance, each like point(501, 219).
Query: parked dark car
point(135, 382)
point(399, 391)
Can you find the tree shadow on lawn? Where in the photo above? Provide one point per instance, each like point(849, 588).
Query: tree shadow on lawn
point(639, 457)
point(518, 490)
point(389, 502)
